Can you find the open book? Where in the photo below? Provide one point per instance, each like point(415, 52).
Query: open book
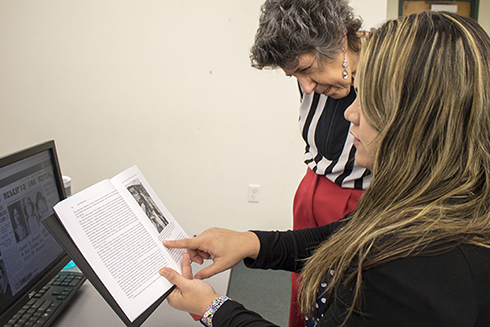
point(115, 228)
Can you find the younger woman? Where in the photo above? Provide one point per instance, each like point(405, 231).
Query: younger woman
point(416, 252)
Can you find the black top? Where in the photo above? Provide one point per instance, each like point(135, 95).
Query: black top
point(449, 289)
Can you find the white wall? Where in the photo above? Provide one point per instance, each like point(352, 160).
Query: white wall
point(166, 85)
point(373, 12)
point(484, 14)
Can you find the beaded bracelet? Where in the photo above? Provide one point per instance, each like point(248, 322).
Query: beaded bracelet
point(207, 318)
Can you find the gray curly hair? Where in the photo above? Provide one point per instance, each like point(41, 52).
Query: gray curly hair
point(289, 28)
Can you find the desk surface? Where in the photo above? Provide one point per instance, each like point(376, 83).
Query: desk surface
point(88, 308)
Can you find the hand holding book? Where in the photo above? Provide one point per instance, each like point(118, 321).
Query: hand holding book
point(191, 295)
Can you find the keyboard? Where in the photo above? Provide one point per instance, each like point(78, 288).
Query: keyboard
point(47, 304)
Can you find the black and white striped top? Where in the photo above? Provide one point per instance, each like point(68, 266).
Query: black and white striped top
point(329, 148)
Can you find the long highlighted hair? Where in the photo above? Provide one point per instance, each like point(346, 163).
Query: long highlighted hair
point(424, 83)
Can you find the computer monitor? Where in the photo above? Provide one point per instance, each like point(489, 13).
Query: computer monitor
point(30, 185)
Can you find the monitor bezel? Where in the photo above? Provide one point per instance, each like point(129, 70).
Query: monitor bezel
point(63, 259)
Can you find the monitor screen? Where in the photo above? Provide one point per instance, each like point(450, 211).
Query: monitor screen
point(30, 185)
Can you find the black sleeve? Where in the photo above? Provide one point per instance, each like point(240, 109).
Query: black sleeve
point(278, 250)
point(233, 314)
point(287, 250)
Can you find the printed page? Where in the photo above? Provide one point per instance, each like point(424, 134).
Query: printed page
point(117, 245)
point(157, 219)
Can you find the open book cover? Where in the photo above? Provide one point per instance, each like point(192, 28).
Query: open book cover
point(113, 231)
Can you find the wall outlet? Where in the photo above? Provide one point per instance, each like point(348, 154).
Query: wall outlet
point(254, 193)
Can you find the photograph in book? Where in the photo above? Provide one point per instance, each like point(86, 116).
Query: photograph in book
point(118, 225)
point(140, 194)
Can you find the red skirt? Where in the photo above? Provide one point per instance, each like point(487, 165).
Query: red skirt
point(318, 201)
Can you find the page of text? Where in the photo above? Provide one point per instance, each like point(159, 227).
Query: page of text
point(160, 223)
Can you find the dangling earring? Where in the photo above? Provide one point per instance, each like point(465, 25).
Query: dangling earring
point(345, 74)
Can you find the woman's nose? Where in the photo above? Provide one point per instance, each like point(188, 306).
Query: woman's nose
point(352, 112)
point(307, 84)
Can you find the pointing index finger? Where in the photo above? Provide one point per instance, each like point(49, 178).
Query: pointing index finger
point(180, 244)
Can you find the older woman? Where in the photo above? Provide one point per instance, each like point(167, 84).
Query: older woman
point(416, 252)
point(318, 42)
